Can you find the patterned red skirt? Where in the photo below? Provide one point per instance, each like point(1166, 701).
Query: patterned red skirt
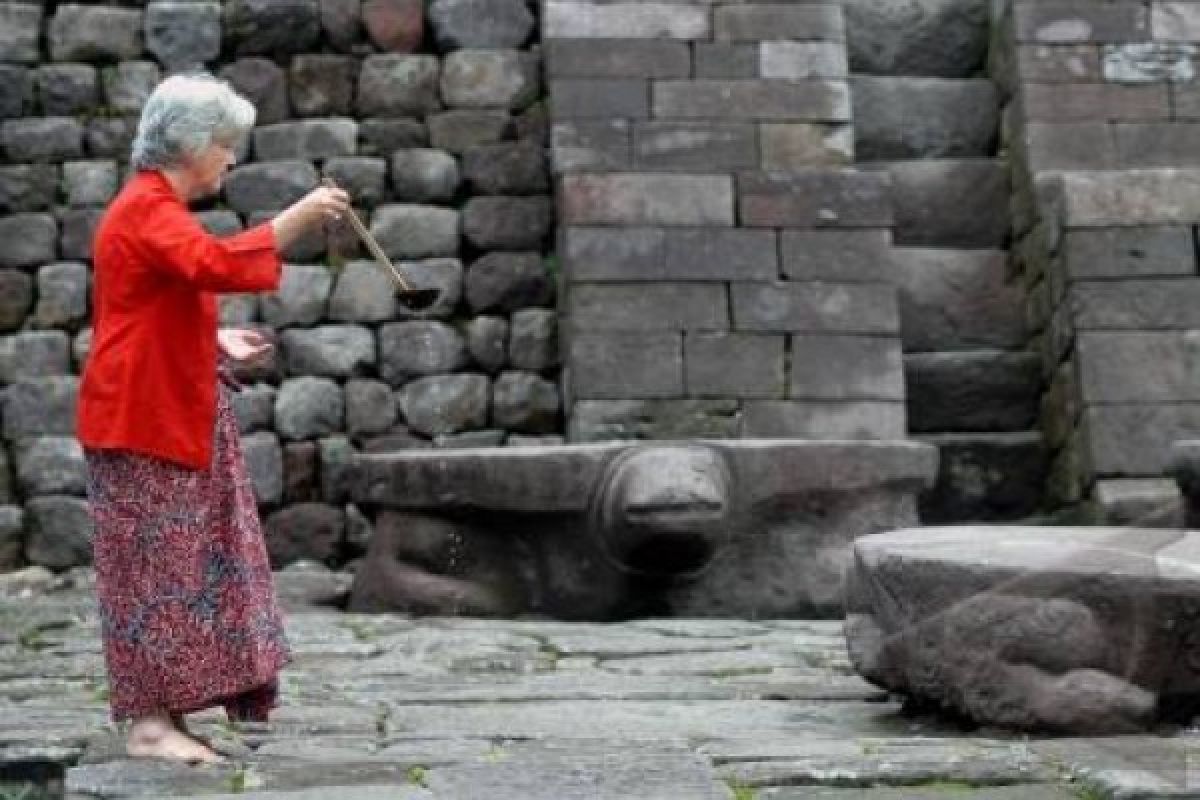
point(187, 602)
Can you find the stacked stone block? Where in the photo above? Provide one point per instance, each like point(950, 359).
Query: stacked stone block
point(724, 271)
point(1105, 210)
point(429, 113)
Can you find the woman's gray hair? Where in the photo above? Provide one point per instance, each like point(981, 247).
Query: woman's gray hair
point(186, 113)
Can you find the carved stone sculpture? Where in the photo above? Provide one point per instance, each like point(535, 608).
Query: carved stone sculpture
point(731, 527)
point(1072, 630)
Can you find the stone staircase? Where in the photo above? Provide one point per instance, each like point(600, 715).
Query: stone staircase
point(972, 387)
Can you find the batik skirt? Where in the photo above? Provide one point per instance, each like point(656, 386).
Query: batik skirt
point(187, 603)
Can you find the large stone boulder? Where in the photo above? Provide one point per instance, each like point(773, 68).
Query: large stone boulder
point(738, 528)
point(1070, 630)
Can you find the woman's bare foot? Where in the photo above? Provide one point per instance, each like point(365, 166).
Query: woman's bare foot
point(156, 736)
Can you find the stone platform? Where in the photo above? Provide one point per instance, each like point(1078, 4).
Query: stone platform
point(391, 707)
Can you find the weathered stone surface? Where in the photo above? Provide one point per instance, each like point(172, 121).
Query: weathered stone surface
point(480, 23)
point(443, 274)
point(42, 139)
point(304, 531)
point(1076, 22)
point(62, 89)
point(815, 198)
point(335, 351)
point(16, 298)
point(620, 58)
point(950, 203)
point(12, 521)
point(517, 168)
point(263, 83)
point(986, 476)
point(942, 38)
point(77, 228)
point(507, 282)
point(334, 455)
point(307, 140)
point(183, 34)
point(489, 79)
point(566, 20)
point(62, 295)
point(28, 187)
point(1149, 62)
point(625, 366)
point(40, 407)
point(766, 100)
point(755, 22)
point(581, 145)
point(51, 465)
point(254, 407)
point(507, 223)
point(95, 33)
point(1128, 252)
point(58, 531)
point(269, 186)
point(523, 401)
point(459, 130)
point(1139, 502)
point(956, 300)
point(363, 293)
point(647, 199)
point(599, 98)
point(1147, 196)
point(34, 354)
point(533, 339)
point(20, 24)
point(1135, 440)
point(264, 462)
point(89, 183)
point(977, 390)
point(307, 407)
point(412, 349)
point(795, 60)
point(1132, 305)
point(823, 419)
point(271, 27)
point(364, 178)
point(128, 85)
point(487, 342)
point(815, 308)
point(846, 368)
point(394, 25)
point(727, 59)
point(446, 403)
point(322, 85)
point(787, 146)
point(924, 117)
point(30, 239)
point(110, 137)
point(416, 231)
point(394, 85)
point(423, 175)
point(370, 407)
point(694, 146)
point(648, 307)
point(841, 256)
point(301, 298)
point(665, 254)
point(734, 365)
point(1063, 632)
point(382, 137)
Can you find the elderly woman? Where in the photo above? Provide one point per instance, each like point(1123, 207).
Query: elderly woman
point(187, 604)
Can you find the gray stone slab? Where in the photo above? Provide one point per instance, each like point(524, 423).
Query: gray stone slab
point(1129, 252)
point(604, 420)
point(646, 199)
point(840, 256)
point(904, 117)
point(734, 365)
point(986, 476)
point(616, 58)
point(1130, 305)
point(625, 366)
point(815, 307)
point(845, 368)
point(1142, 197)
point(951, 203)
point(664, 254)
point(767, 99)
point(566, 20)
point(1076, 22)
point(815, 198)
point(647, 307)
point(600, 98)
point(784, 21)
point(824, 419)
point(974, 390)
point(694, 146)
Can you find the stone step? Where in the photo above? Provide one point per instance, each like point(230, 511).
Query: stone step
point(957, 300)
point(950, 202)
point(915, 117)
point(973, 390)
point(985, 477)
point(944, 38)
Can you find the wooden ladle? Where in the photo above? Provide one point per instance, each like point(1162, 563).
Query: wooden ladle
point(412, 298)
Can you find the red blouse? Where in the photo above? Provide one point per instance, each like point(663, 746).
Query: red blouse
point(150, 383)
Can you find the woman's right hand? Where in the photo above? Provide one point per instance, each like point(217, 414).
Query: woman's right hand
point(320, 205)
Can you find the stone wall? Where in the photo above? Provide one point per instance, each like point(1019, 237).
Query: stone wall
point(724, 271)
point(1103, 123)
point(430, 114)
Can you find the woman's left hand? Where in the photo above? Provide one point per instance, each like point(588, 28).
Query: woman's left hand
point(243, 345)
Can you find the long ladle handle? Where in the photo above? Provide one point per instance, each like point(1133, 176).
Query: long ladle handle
point(365, 235)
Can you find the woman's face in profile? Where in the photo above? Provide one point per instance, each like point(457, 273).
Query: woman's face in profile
point(208, 168)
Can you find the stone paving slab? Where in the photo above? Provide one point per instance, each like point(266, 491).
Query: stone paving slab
point(456, 709)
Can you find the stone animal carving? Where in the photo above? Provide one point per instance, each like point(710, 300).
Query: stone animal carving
point(740, 527)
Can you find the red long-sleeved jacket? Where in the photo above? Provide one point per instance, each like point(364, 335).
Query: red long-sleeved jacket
point(150, 382)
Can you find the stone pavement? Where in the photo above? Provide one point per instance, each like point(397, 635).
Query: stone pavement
point(438, 709)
